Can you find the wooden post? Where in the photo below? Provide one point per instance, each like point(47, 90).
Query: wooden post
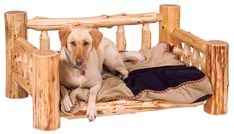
point(15, 27)
point(217, 71)
point(44, 41)
point(145, 37)
point(46, 92)
point(203, 63)
point(187, 55)
point(120, 39)
point(170, 22)
point(196, 58)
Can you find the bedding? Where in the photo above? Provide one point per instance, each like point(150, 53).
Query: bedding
point(160, 77)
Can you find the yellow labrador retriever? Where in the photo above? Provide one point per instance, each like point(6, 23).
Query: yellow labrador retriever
point(83, 53)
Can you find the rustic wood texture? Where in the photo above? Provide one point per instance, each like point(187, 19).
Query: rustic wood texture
point(203, 63)
point(123, 107)
point(187, 55)
point(46, 92)
point(24, 44)
point(39, 74)
point(170, 21)
point(22, 63)
point(44, 41)
point(24, 83)
point(120, 39)
point(196, 58)
point(190, 39)
point(15, 27)
point(41, 23)
point(145, 37)
point(217, 71)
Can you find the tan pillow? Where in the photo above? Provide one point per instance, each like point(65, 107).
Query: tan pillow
point(158, 55)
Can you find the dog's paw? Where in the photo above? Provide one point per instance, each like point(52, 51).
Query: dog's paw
point(67, 103)
point(91, 112)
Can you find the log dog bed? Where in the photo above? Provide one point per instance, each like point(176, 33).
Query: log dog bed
point(35, 71)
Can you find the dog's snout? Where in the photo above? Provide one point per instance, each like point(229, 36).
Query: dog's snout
point(79, 61)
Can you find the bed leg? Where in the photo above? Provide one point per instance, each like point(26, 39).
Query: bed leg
point(217, 71)
point(46, 92)
point(15, 26)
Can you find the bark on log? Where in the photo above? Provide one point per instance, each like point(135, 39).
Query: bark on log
point(170, 21)
point(15, 24)
point(217, 71)
point(46, 92)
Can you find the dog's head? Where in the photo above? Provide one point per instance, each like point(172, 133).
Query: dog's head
point(79, 42)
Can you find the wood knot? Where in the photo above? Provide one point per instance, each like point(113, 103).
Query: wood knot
point(53, 78)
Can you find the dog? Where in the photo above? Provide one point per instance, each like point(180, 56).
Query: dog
point(83, 53)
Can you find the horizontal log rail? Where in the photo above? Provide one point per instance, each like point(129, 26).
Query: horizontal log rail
point(123, 107)
point(23, 83)
point(44, 24)
point(28, 47)
point(190, 39)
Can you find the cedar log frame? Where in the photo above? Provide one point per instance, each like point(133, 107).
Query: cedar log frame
point(24, 62)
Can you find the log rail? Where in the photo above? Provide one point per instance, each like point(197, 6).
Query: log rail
point(44, 24)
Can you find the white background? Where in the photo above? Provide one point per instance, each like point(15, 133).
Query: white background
point(207, 19)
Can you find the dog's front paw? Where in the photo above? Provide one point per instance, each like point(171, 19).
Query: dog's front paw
point(91, 112)
point(67, 103)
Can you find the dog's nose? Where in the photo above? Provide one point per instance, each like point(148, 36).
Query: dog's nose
point(79, 61)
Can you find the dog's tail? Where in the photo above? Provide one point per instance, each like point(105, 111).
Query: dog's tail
point(132, 56)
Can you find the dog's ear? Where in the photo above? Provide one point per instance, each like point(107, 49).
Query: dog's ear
point(63, 35)
point(97, 37)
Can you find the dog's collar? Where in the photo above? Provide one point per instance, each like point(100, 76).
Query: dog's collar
point(79, 68)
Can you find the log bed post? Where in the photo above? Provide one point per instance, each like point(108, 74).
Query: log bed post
point(46, 92)
point(170, 22)
point(217, 71)
point(15, 27)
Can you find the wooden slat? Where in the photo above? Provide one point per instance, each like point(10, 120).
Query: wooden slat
point(203, 63)
point(196, 58)
point(28, 47)
point(44, 41)
point(120, 39)
point(41, 23)
point(23, 83)
point(145, 37)
point(124, 107)
point(187, 55)
point(190, 39)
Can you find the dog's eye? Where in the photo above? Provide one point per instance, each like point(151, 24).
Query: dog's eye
point(73, 43)
point(86, 43)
